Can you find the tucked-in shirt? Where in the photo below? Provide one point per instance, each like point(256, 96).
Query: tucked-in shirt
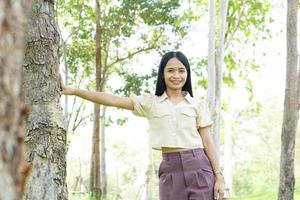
point(170, 124)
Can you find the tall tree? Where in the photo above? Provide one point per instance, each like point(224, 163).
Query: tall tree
point(95, 178)
point(291, 107)
point(45, 129)
point(13, 27)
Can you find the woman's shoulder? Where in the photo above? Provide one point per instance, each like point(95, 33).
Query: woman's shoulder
point(199, 102)
point(147, 97)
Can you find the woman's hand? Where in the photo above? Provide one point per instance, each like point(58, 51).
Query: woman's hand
point(65, 89)
point(219, 187)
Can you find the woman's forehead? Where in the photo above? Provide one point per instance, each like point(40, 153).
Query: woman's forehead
point(174, 62)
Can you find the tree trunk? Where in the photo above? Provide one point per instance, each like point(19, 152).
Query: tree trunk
point(102, 154)
point(95, 160)
point(291, 108)
point(13, 28)
point(45, 129)
point(95, 179)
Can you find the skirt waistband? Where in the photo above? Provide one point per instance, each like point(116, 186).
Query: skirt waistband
point(184, 153)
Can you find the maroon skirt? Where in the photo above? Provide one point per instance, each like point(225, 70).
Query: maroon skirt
point(186, 175)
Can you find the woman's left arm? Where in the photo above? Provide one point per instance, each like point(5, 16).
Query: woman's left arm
point(212, 155)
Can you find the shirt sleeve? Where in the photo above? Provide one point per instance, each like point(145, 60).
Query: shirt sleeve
point(204, 116)
point(142, 105)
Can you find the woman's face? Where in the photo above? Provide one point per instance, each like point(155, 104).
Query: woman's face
point(175, 74)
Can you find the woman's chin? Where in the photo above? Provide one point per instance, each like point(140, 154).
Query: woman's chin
point(175, 87)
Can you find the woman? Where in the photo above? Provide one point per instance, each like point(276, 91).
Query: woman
point(178, 126)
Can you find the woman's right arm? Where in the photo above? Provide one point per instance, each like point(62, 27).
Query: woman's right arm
point(102, 98)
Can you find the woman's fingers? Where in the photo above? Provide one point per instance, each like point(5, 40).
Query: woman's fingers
point(221, 194)
point(216, 194)
point(218, 191)
point(61, 84)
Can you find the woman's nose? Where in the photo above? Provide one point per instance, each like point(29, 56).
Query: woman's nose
point(176, 74)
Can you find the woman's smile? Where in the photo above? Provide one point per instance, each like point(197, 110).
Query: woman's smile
point(176, 82)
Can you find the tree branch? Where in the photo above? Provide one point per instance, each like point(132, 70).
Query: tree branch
point(227, 42)
point(129, 55)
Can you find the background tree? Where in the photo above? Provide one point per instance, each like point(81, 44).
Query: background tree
point(291, 106)
point(45, 128)
point(13, 27)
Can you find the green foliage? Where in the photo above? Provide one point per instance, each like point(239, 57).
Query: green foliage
point(269, 194)
point(135, 83)
point(247, 20)
point(257, 149)
point(200, 72)
point(247, 23)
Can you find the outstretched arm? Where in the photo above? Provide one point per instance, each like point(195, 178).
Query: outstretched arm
point(99, 97)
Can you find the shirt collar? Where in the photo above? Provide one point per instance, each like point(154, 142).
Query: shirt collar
point(165, 96)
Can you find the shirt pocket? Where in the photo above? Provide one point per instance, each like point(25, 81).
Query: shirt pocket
point(187, 119)
point(160, 113)
point(160, 120)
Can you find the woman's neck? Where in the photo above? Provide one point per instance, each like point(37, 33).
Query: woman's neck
point(173, 94)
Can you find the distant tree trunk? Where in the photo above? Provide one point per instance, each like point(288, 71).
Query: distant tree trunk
point(45, 129)
point(13, 28)
point(291, 108)
point(102, 154)
point(95, 178)
point(95, 185)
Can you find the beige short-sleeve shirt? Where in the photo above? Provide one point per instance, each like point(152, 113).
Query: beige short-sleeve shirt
point(173, 125)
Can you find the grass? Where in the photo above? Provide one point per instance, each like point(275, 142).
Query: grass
point(269, 195)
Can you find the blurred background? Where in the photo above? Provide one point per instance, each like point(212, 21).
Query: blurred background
point(251, 103)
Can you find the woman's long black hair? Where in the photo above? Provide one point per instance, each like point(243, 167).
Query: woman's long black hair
point(160, 83)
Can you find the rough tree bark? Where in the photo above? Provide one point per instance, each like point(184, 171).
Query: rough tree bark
point(13, 28)
point(291, 107)
point(45, 129)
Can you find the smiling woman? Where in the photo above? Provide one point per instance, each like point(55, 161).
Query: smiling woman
point(178, 126)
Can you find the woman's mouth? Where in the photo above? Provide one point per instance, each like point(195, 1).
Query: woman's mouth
point(175, 82)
